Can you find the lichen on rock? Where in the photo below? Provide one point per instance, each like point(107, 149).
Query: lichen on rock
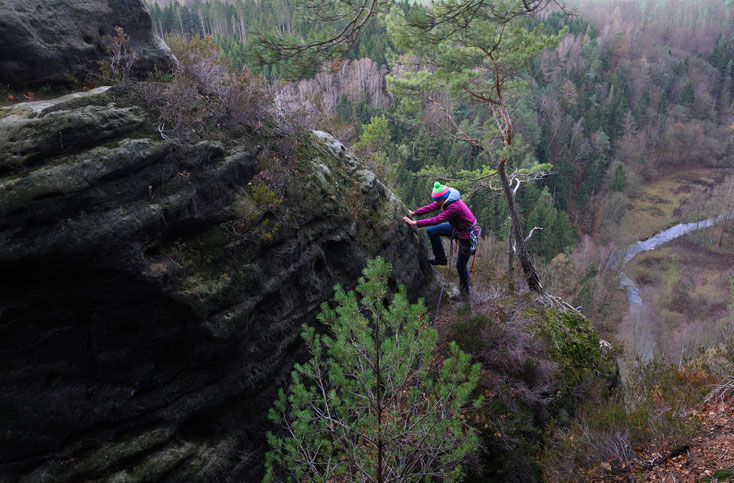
point(153, 294)
point(45, 43)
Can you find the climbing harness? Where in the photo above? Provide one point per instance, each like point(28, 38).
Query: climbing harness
point(420, 364)
point(474, 232)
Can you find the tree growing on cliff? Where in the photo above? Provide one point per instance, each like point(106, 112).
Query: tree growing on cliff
point(474, 52)
point(371, 405)
point(118, 67)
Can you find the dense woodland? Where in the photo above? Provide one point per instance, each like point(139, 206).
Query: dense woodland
point(628, 94)
point(572, 132)
point(623, 98)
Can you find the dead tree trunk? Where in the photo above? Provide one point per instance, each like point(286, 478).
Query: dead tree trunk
point(531, 276)
point(510, 260)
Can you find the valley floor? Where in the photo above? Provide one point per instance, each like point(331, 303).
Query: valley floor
point(683, 300)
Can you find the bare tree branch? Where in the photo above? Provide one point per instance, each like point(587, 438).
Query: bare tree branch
point(527, 238)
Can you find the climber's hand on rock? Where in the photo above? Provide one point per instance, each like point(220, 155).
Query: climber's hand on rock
point(409, 221)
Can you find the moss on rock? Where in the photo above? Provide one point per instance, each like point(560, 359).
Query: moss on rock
point(155, 283)
point(539, 365)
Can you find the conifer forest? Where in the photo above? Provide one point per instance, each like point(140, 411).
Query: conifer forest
point(367, 240)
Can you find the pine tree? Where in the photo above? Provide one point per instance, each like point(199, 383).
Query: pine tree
point(356, 412)
point(619, 182)
point(475, 53)
point(687, 97)
point(557, 233)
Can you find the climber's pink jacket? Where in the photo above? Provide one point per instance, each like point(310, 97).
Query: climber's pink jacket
point(454, 211)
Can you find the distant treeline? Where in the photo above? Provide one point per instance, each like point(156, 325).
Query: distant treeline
point(233, 22)
point(625, 95)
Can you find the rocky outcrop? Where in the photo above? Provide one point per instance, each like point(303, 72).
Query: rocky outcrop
point(539, 366)
point(47, 41)
point(152, 295)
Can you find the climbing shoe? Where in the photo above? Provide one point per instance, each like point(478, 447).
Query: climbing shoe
point(437, 261)
point(464, 292)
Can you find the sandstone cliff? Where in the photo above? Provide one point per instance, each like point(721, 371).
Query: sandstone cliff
point(47, 41)
point(152, 295)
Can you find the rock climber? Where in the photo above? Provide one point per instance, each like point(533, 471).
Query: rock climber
point(455, 220)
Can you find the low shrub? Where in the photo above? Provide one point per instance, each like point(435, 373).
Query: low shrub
point(654, 411)
point(537, 365)
point(206, 101)
point(203, 100)
point(119, 65)
point(471, 332)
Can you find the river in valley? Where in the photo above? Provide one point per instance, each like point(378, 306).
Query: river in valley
point(636, 327)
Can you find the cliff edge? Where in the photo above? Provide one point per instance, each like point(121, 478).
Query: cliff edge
point(153, 293)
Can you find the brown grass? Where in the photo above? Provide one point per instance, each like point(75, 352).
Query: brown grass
point(656, 207)
point(687, 284)
point(655, 412)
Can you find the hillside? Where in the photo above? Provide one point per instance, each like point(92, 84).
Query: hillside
point(174, 215)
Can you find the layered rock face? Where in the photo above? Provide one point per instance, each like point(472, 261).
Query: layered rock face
point(152, 295)
point(46, 41)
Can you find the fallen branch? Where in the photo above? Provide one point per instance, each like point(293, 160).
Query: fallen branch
point(660, 460)
point(514, 247)
point(161, 127)
point(553, 302)
point(722, 391)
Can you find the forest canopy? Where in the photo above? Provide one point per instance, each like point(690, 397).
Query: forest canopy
point(621, 98)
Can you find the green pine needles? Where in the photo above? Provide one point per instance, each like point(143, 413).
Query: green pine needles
point(355, 412)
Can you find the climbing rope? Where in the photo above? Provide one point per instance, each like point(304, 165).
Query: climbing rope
point(474, 257)
point(433, 326)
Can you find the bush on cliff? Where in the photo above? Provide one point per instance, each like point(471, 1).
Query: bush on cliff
point(356, 411)
point(205, 100)
point(538, 366)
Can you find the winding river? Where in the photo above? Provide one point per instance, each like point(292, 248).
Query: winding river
point(637, 322)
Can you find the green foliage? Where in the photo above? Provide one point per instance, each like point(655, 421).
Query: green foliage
point(687, 97)
point(372, 148)
point(241, 27)
point(557, 233)
point(254, 210)
point(159, 76)
point(539, 364)
point(619, 182)
point(589, 285)
point(351, 403)
point(375, 135)
point(264, 196)
point(478, 60)
point(468, 331)
point(579, 134)
point(6, 95)
point(479, 54)
point(455, 45)
point(724, 474)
